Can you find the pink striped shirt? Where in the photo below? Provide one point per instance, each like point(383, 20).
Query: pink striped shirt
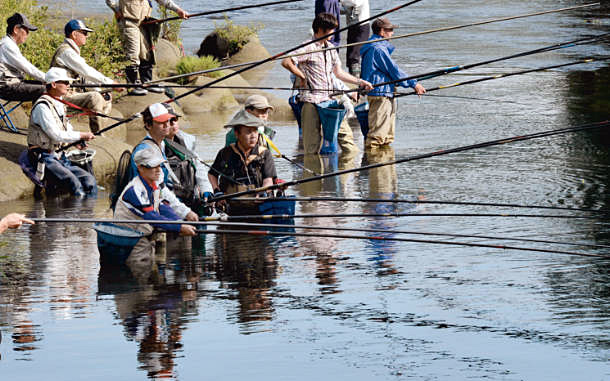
point(318, 68)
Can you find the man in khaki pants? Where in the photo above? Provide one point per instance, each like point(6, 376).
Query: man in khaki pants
point(137, 38)
point(67, 56)
point(378, 67)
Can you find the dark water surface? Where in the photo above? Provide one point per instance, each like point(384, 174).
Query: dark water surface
point(231, 307)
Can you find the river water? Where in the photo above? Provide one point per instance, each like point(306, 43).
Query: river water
point(231, 307)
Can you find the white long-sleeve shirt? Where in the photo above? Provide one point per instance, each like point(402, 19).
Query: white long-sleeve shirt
point(71, 59)
point(357, 10)
point(14, 63)
point(42, 115)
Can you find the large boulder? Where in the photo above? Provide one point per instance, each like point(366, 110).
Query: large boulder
point(167, 56)
point(215, 46)
point(251, 52)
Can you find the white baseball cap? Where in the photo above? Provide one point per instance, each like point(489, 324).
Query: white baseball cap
point(159, 113)
point(57, 74)
point(148, 158)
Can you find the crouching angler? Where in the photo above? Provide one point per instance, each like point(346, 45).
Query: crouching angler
point(50, 130)
point(143, 199)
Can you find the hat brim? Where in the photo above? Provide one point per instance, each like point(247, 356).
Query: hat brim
point(87, 29)
point(162, 118)
point(153, 164)
point(31, 28)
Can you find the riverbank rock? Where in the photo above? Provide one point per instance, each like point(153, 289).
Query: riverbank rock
point(167, 56)
point(215, 46)
point(252, 51)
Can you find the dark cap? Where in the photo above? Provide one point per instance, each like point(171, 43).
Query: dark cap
point(382, 23)
point(171, 110)
point(75, 24)
point(19, 19)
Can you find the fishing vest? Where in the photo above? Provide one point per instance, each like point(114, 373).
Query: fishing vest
point(63, 47)
point(181, 161)
point(36, 135)
point(171, 176)
point(123, 211)
point(248, 173)
point(136, 10)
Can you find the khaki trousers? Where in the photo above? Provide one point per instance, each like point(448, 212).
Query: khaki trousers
point(312, 132)
point(94, 101)
point(382, 121)
point(142, 256)
point(136, 42)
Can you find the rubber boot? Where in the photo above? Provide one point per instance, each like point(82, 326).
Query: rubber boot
point(131, 73)
point(146, 75)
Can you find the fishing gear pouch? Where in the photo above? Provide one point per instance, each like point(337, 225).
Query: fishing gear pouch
point(185, 171)
point(296, 107)
point(362, 114)
point(82, 159)
point(331, 114)
point(152, 31)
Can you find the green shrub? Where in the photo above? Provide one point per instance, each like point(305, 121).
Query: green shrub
point(191, 64)
point(236, 35)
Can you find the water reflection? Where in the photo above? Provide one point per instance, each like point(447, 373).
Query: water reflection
point(152, 303)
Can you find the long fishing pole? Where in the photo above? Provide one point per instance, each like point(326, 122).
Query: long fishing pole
point(505, 75)
point(453, 69)
point(372, 41)
point(279, 154)
point(434, 202)
point(206, 13)
point(325, 235)
point(409, 232)
point(471, 98)
point(422, 156)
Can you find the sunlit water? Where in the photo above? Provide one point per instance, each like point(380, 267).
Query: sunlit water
point(302, 308)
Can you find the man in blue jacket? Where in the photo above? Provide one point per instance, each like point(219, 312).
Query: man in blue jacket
point(378, 67)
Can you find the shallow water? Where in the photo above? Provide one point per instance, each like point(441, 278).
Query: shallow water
point(301, 307)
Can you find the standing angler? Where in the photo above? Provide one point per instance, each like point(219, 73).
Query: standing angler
point(14, 66)
point(314, 71)
point(377, 67)
point(67, 56)
point(138, 40)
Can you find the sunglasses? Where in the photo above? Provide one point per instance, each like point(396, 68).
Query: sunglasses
point(173, 120)
point(63, 82)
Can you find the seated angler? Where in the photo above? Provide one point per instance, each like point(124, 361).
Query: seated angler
point(156, 122)
point(49, 130)
point(67, 56)
point(14, 66)
point(193, 186)
point(142, 199)
point(245, 164)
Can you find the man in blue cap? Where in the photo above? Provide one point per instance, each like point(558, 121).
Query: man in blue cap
point(67, 56)
point(14, 66)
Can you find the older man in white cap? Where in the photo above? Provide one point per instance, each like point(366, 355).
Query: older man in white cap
point(259, 106)
point(14, 66)
point(67, 56)
point(157, 124)
point(49, 130)
point(142, 199)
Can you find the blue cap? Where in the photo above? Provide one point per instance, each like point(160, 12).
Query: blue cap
point(73, 25)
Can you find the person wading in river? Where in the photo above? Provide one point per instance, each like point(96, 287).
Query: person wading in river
point(67, 56)
point(49, 130)
point(260, 107)
point(314, 72)
point(142, 199)
point(138, 37)
point(243, 165)
point(156, 122)
point(14, 66)
point(378, 67)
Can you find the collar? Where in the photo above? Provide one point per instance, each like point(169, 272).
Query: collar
point(385, 43)
point(72, 44)
point(148, 185)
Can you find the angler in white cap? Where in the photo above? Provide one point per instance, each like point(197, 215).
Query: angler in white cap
point(14, 66)
point(67, 56)
point(157, 124)
point(142, 199)
point(49, 130)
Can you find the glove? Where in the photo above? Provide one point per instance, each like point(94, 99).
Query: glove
point(347, 103)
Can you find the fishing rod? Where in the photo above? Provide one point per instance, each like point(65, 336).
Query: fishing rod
point(498, 76)
point(434, 202)
point(258, 63)
point(279, 154)
point(470, 98)
point(490, 143)
point(376, 40)
point(408, 232)
point(206, 13)
point(325, 235)
point(453, 69)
